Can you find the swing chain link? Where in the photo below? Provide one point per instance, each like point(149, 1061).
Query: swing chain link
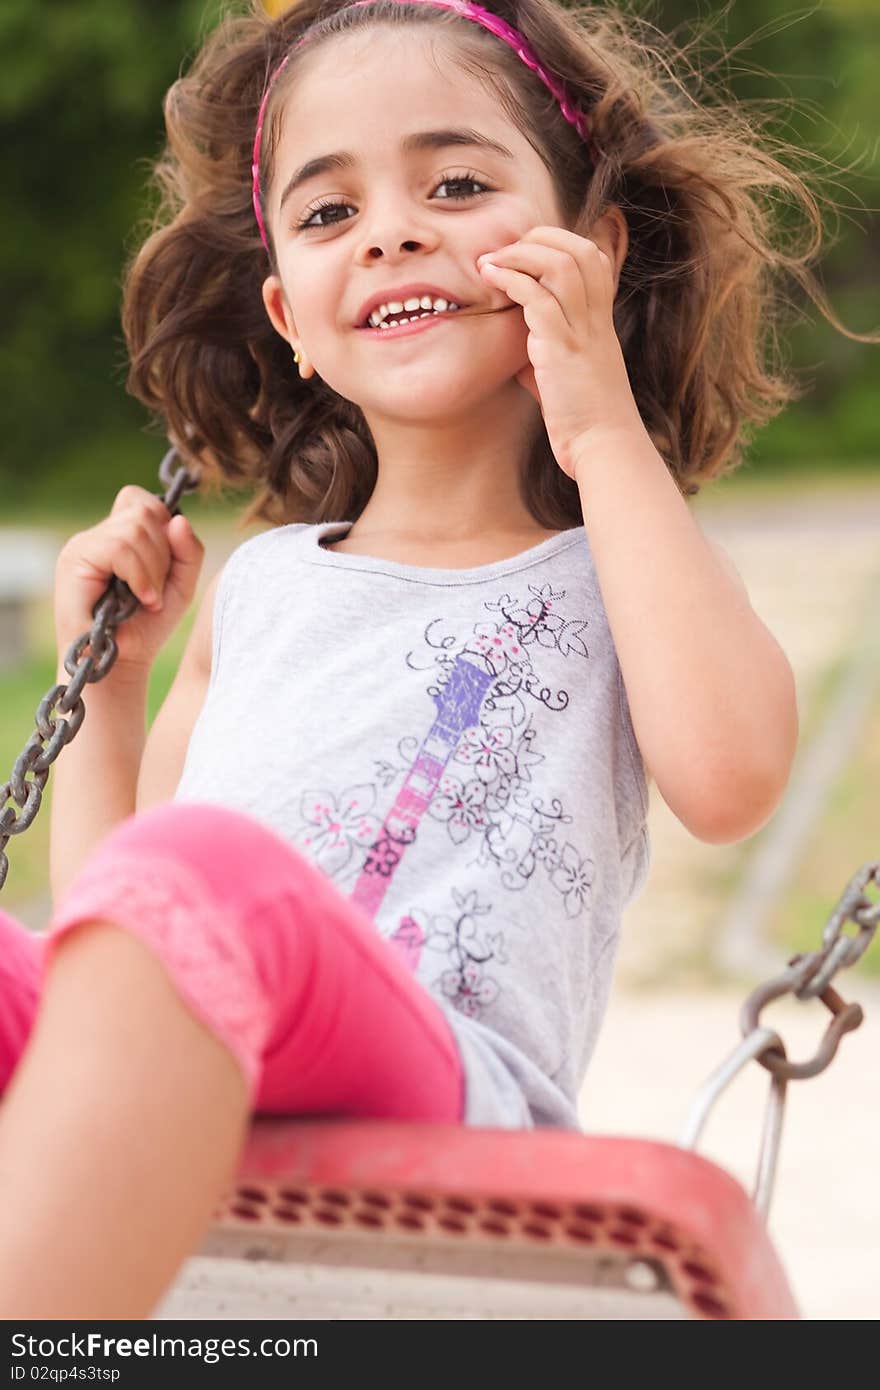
point(88, 659)
point(809, 975)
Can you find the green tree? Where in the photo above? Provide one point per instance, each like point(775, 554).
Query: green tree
point(812, 71)
point(80, 118)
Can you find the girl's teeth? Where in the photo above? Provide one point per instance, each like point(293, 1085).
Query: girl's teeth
point(428, 306)
point(429, 314)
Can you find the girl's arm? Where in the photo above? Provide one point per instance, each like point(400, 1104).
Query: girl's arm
point(112, 767)
point(711, 693)
point(94, 779)
point(168, 739)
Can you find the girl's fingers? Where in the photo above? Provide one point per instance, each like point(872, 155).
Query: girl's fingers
point(130, 563)
point(187, 554)
point(576, 259)
point(133, 498)
point(542, 308)
point(555, 271)
point(152, 561)
point(128, 550)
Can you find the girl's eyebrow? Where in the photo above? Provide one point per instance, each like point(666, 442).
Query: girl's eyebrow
point(421, 140)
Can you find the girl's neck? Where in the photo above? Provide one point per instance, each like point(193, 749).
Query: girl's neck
point(451, 487)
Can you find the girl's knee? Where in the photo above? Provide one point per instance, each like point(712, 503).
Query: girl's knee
point(173, 877)
point(230, 852)
point(219, 872)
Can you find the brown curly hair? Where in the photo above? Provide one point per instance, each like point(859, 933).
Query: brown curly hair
point(699, 302)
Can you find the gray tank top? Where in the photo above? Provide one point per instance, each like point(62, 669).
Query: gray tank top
point(454, 749)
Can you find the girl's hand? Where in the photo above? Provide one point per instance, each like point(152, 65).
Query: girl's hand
point(151, 550)
point(576, 370)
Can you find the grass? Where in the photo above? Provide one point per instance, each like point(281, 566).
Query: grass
point(20, 692)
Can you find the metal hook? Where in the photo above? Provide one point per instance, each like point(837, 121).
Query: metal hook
point(760, 1041)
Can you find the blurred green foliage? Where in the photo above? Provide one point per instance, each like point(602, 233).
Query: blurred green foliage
point(81, 118)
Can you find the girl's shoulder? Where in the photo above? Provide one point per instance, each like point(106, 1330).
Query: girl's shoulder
point(263, 545)
point(252, 562)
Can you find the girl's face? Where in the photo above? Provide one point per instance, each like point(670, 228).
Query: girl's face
point(393, 211)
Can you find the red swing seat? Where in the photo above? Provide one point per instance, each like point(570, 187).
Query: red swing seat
point(533, 1223)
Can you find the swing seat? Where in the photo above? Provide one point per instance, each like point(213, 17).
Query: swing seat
point(349, 1218)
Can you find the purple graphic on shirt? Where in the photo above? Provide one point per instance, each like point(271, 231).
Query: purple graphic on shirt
point(478, 775)
point(458, 708)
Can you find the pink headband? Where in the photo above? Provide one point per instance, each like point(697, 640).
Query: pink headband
point(489, 21)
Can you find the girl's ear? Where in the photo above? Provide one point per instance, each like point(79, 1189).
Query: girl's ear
point(278, 308)
point(611, 234)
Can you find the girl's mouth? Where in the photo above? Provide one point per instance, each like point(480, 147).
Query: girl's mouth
point(403, 330)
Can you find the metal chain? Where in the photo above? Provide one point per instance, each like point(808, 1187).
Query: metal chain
point(88, 659)
point(807, 976)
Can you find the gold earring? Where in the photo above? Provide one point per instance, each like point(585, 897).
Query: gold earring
point(296, 357)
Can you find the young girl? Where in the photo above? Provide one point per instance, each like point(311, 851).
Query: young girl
point(373, 856)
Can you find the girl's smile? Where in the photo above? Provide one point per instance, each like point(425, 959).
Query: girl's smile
point(417, 325)
point(428, 319)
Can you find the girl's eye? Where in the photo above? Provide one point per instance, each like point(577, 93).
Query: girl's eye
point(327, 203)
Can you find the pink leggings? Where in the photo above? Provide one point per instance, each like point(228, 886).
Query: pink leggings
point(322, 1013)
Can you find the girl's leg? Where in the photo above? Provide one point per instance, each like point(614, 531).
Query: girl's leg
point(124, 1109)
point(19, 991)
point(284, 997)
